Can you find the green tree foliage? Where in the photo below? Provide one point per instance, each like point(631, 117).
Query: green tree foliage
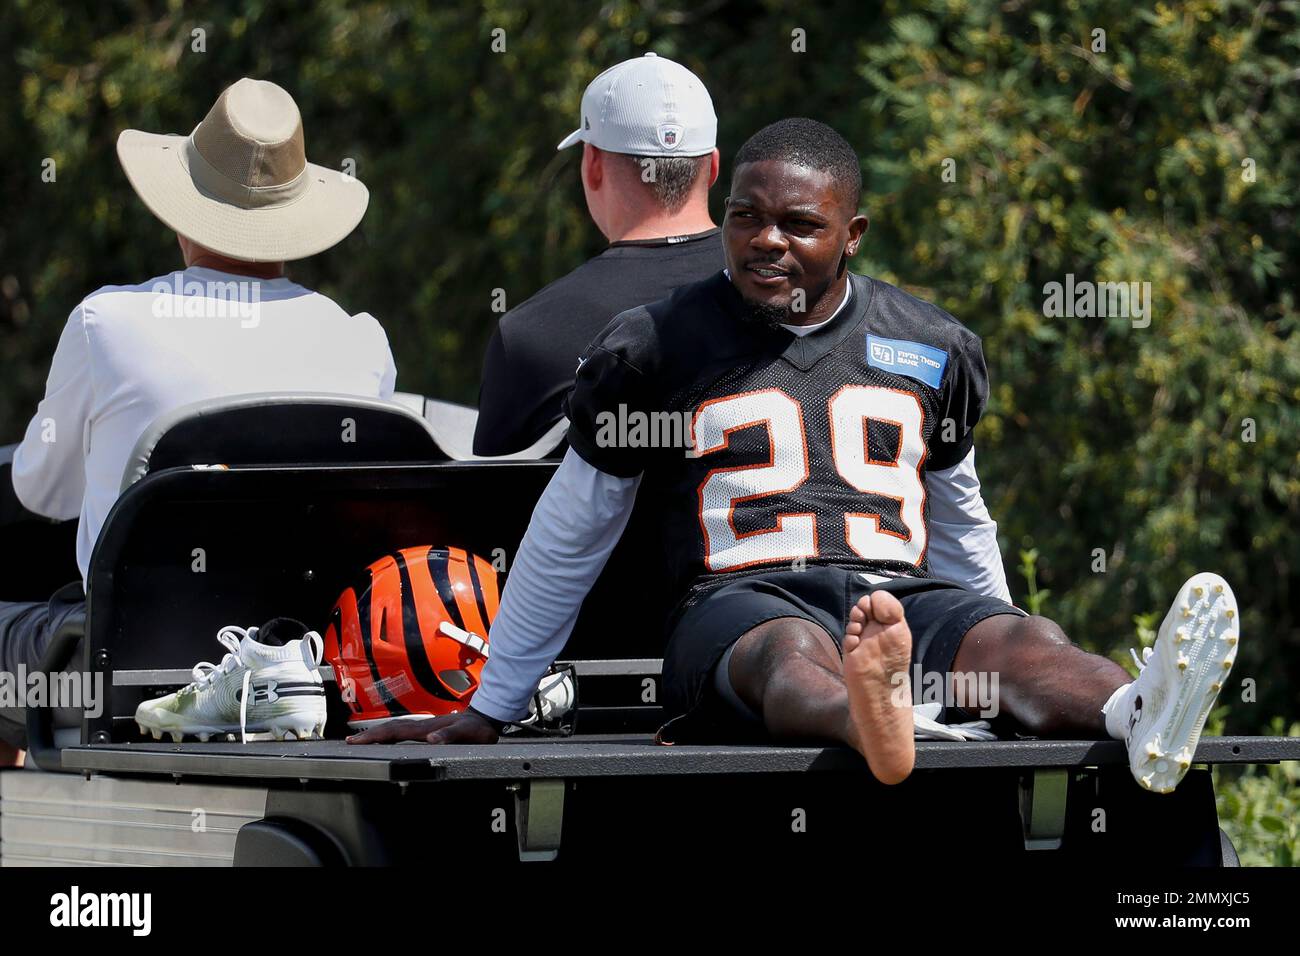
point(1259, 806)
point(1115, 164)
point(1123, 165)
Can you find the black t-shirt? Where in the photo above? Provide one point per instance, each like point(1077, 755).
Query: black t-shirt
point(807, 450)
point(533, 353)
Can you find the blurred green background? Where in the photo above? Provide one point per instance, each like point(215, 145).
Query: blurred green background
point(1171, 157)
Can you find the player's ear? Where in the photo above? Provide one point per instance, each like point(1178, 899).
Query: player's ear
point(715, 166)
point(857, 229)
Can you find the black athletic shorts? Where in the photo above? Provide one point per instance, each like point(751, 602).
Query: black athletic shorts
point(939, 614)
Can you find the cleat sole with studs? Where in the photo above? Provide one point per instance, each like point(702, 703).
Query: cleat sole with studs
point(1206, 643)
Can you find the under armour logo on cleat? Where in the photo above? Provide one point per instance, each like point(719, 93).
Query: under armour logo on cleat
point(262, 693)
point(1135, 716)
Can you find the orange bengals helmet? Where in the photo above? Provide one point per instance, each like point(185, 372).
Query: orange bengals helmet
point(411, 637)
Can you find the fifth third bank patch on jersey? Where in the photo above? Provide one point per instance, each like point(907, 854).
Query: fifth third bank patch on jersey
point(921, 362)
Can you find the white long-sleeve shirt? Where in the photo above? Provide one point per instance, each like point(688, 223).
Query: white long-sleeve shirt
point(580, 518)
point(129, 354)
point(963, 536)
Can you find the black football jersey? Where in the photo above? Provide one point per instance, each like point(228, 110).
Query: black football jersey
point(762, 449)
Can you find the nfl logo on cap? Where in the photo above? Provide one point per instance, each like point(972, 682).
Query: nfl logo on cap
point(648, 106)
point(669, 136)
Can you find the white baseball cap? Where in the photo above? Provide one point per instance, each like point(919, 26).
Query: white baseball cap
point(649, 106)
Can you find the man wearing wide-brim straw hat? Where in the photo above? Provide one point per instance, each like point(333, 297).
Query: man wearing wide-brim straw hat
point(242, 199)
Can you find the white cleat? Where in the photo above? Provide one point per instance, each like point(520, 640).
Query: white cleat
point(1180, 678)
point(297, 733)
point(261, 685)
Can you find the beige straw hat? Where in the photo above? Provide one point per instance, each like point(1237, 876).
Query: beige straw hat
point(240, 184)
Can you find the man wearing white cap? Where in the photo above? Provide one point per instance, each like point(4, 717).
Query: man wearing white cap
point(243, 200)
point(649, 156)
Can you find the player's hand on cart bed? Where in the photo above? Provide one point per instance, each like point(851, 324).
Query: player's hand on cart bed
point(469, 727)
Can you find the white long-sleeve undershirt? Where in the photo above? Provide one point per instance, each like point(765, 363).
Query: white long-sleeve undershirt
point(574, 528)
point(963, 542)
point(580, 518)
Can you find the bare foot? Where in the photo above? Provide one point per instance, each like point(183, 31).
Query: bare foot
point(877, 657)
